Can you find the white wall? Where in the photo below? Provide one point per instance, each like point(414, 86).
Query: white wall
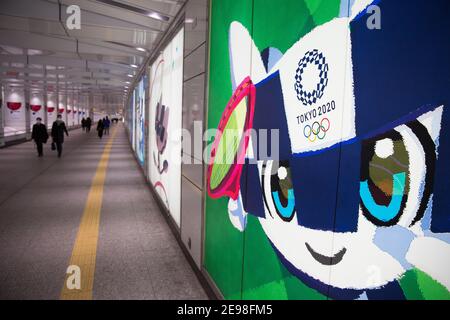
point(193, 110)
point(98, 116)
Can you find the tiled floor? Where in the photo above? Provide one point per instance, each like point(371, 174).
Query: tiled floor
point(41, 204)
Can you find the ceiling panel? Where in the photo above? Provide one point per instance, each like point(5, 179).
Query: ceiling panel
point(31, 25)
point(128, 36)
point(38, 9)
point(100, 59)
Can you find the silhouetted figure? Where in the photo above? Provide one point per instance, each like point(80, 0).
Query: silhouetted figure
point(58, 130)
point(83, 124)
point(39, 135)
point(100, 128)
point(106, 125)
point(88, 124)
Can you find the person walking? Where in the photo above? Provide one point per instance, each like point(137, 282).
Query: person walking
point(88, 124)
point(58, 130)
point(100, 128)
point(106, 125)
point(39, 135)
point(83, 124)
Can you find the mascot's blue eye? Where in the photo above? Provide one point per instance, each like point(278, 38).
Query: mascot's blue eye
point(284, 210)
point(389, 212)
point(281, 192)
point(384, 182)
point(385, 174)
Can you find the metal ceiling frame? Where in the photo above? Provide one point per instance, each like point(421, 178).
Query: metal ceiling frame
point(174, 27)
point(87, 62)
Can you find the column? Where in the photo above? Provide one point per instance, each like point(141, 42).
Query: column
point(90, 106)
point(45, 97)
point(78, 108)
point(26, 95)
point(2, 107)
point(57, 95)
point(66, 98)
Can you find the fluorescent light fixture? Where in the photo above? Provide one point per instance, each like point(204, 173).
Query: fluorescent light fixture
point(133, 66)
point(130, 75)
point(141, 49)
point(157, 16)
point(189, 20)
point(127, 82)
point(149, 13)
point(34, 52)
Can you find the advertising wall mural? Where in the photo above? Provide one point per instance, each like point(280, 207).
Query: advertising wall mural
point(166, 92)
point(14, 113)
point(133, 120)
point(129, 119)
point(36, 108)
point(62, 108)
point(51, 109)
point(69, 109)
point(73, 114)
point(76, 115)
point(140, 119)
point(349, 202)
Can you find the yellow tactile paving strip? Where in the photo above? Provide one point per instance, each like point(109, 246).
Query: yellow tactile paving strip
point(85, 248)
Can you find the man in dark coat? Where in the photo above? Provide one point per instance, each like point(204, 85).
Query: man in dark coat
point(88, 124)
point(106, 125)
point(100, 128)
point(58, 130)
point(39, 135)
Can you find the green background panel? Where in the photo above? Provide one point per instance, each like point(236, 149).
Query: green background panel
point(223, 243)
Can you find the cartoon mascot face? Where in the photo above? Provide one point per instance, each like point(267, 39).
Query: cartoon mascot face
point(346, 195)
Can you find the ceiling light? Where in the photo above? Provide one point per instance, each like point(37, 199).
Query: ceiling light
point(149, 13)
point(157, 16)
point(141, 49)
point(34, 52)
point(133, 66)
point(130, 75)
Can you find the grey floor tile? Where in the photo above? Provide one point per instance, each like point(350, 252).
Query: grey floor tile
point(41, 205)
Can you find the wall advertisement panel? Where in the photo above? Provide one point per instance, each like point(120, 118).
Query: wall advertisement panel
point(166, 91)
point(14, 113)
point(36, 108)
point(133, 120)
point(351, 201)
point(140, 119)
point(51, 108)
point(69, 110)
point(129, 119)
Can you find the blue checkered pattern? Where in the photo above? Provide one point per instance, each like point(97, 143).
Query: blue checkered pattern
point(317, 58)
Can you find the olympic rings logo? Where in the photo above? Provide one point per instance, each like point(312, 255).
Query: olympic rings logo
point(317, 130)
